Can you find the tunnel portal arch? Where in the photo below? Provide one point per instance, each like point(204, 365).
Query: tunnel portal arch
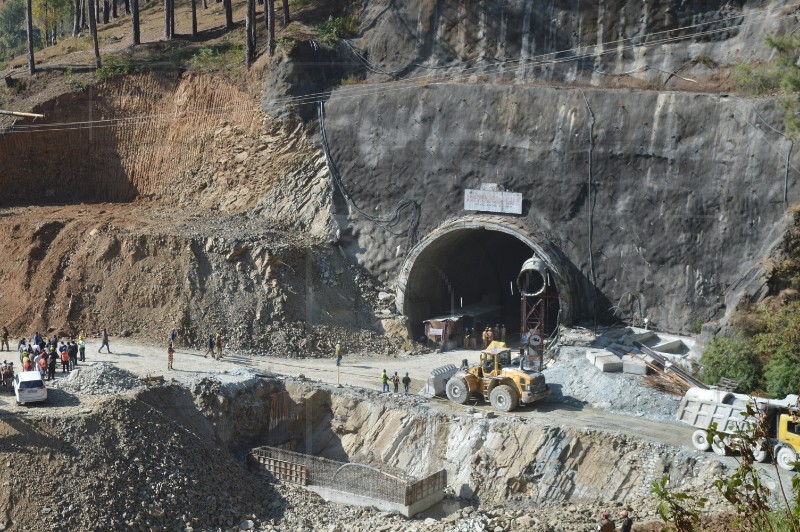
point(439, 262)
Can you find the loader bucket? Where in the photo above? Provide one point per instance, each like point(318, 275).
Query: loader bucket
point(438, 380)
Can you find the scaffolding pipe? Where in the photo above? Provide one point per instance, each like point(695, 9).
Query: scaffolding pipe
point(23, 115)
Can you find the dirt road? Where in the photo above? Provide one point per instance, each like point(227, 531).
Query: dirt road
point(359, 371)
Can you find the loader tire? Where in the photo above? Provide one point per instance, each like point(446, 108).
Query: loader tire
point(504, 398)
point(457, 390)
point(785, 457)
point(699, 440)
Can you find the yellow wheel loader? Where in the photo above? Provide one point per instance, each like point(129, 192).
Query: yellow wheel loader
point(498, 381)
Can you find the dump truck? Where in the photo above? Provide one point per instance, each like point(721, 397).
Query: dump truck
point(700, 408)
point(497, 380)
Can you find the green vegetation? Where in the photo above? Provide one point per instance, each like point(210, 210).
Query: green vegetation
point(221, 56)
point(756, 81)
point(706, 60)
point(752, 501)
point(696, 326)
point(781, 77)
point(337, 28)
point(74, 83)
point(678, 510)
point(734, 359)
point(114, 66)
point(12, 29)
point(764, 355)
point(766, 360)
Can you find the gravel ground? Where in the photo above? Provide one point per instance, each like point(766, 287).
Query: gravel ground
point(575, 380)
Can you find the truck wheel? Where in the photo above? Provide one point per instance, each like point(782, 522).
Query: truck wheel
point(700, 441)
point(720, 446)
point(760, 452)
point(786, 457)
point(457, 390)
point(504, 398)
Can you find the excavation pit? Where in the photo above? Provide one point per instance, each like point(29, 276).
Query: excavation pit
point(350, 483)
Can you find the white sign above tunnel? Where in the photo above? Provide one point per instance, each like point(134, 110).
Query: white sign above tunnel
point(492, 201)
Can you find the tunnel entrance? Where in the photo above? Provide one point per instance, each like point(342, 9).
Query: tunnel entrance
point(473, 269)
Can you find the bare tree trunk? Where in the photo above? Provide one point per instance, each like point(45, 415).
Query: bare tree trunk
point(271, 39)
point(76, 20)
point(228, 14)
point(84, 14)
point(286, 19)
point(29, 27)
point(114, 9)
point(167, 25)
point(194, 18)
point(250, 27)
point(172, 18)
point(137, 38)
point(127, 7)
point(205, 4)
point(106, 11)
point(93, 29)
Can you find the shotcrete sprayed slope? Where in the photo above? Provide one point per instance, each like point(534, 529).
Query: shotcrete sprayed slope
point(685, 198)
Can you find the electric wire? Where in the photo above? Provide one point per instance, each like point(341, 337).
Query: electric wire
point(550, 58)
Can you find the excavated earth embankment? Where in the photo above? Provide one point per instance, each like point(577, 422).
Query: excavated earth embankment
point(202, 214)
point(172, 456)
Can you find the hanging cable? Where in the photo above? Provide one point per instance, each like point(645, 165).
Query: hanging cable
point(388, 222)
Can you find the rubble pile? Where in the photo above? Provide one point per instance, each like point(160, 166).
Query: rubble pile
point(581, 383)
point(101, 378)
point(126, 466)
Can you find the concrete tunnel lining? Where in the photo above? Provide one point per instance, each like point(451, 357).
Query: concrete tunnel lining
point(455, 232)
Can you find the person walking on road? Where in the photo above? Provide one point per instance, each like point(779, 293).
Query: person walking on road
point(385, 381)
point(338, 351)
point(104, 341)
point(4, 345)
point(81, 349)
point(406, 383)
point(172, 336)
point(219, 345)
point(170, 353)
point(209, 346)
point(396, 382)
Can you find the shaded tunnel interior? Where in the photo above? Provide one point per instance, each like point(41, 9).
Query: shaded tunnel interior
point(469, 269)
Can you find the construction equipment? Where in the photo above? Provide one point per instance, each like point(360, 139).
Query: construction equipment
point(437, 381)
point(702, 407)
point(498, 380)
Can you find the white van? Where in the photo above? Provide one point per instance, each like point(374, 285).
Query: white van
point(29, 387)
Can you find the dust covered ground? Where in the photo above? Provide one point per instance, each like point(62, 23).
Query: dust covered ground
point(116, 453)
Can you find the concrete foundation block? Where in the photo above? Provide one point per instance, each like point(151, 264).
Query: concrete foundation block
point(641, 338)
point(634, 365)
point(674, 346)
point(593, 353)
point(608, 363)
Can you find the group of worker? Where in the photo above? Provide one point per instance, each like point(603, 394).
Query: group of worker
point(214, 345)
point(44, 354)
point(607, 525)
point(491, 334)
point(396, 380)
